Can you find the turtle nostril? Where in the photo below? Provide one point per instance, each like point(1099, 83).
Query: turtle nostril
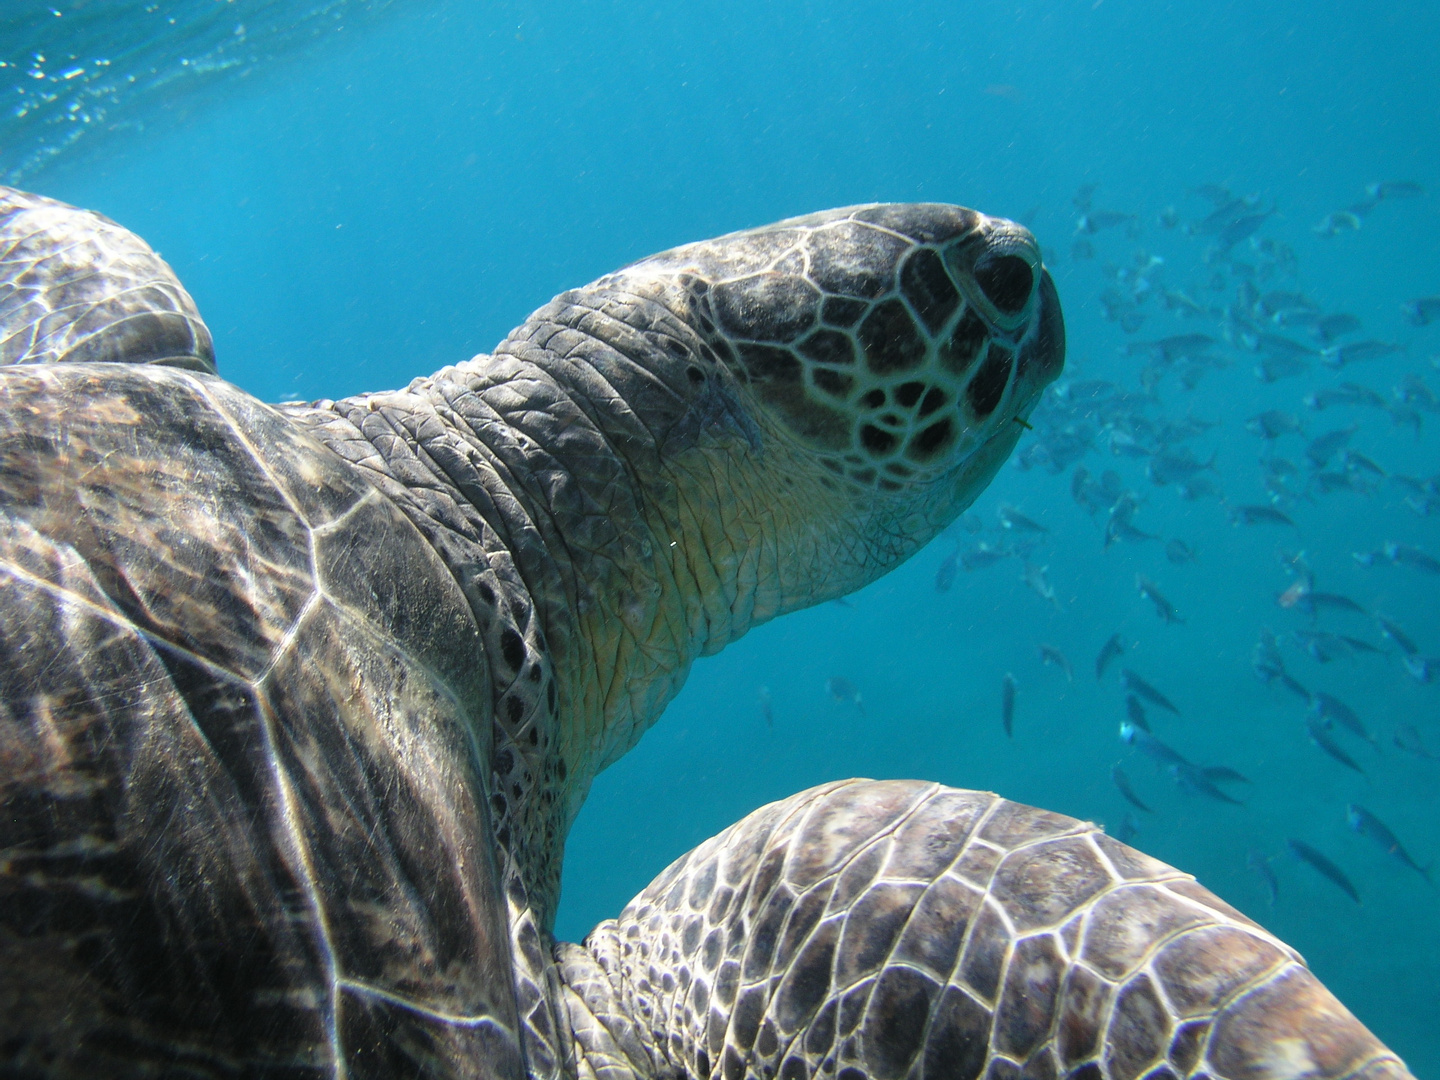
point(1006, 281)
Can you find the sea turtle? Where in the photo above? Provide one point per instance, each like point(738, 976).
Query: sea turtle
point(297, 702)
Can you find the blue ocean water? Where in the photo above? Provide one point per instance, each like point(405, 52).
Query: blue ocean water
point(383, 189)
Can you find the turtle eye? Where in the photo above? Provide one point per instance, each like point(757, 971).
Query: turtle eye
point(1006, 281)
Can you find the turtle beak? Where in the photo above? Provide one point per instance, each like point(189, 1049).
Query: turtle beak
point(1041, 356)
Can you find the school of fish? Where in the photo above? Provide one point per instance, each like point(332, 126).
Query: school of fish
point(1237, 313)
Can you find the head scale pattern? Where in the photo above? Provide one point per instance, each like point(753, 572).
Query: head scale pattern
point(887, 338)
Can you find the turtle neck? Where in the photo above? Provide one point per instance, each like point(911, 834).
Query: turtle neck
point(545, 476)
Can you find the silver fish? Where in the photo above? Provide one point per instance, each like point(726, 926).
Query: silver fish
point(1080, 485)
point(1124, 508)
point(1010, 518)
point(1405, 416)
point(1292, 596)
point(1007, 704)
point(1327, 707)
point(1163, 607)
point(1175, 347)
point(842, 689)
point(1051, 655)
point(1273, 368)
point(1324, 646)
point(1265, 658)
point(1329, 327)
point(1312, 602)
point(1242, 228)
point(1358, 462)
point(1391, 630)
point(1345, 394)
point(1295, 316)
point(1332, 225)
point(1224, 215)
point(1099, 220)
point(766, 706)
point(1122, 782)
point(1094, 495)
point(1411, 557)
point(1179, 301)
point(1324, 447)
point(1281, 467)
point(1356, 645)
point(1222, 772)
point(1278, 346)
point(983, 555)
point(1394, 189)
point(1218, 194)
point(1293, 685)
point(1321, 738)
point(1198, 487)
point(1260, 515)
point(1407, 738)
point(1150, 746)
point(1327, 483)
point(1273, 423)
point(1424, 669)
point(948, 568)
point(1114, 647)
point(1128, 829)
point(1034, 576)
point(1179, 552)
point(1185, 427)
point(1413, 391)
point(1327, 869)
point(1123, 444)
point(1354, 352)
point(1135, 712)
point(1423, 310)
point(1259, 862)
point(1135, 684)
point(1200, 781)
point(1120, 531)
point(1367, 824)
point(1169, 466)
point(1276, 301)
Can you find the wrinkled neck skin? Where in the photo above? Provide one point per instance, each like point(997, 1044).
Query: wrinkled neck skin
point(614, 506)
point(603, 512)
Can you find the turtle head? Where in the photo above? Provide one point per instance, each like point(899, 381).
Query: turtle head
point(749, 425)
point(740, 427)
point(878, 362)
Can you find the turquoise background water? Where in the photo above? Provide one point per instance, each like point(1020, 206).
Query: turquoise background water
point(396, 186)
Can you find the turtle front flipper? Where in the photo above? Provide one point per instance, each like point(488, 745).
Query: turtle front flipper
point(76, 287)
point(875, 930)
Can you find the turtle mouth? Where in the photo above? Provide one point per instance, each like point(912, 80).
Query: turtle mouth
point(972, 475)
point(1041, 355)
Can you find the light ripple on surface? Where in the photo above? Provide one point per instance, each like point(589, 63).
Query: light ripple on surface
point(77, 70)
